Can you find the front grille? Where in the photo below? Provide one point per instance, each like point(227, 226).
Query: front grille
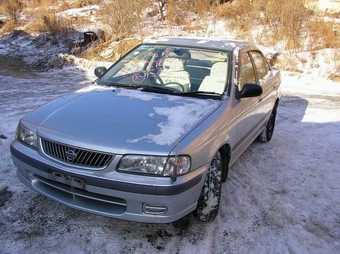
point(74, 155)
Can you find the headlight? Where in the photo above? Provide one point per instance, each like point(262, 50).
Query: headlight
point(26, 136)
point(154, 165)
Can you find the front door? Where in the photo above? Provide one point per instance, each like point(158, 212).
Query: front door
point(250, 110)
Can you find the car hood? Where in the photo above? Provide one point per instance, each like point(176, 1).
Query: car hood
point(120, 120)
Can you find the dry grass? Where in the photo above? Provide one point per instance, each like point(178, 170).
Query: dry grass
point(200, 7)
point(60, 4)
point(175, 16)
point(285, 20)
point(240, 8)
point(9, 26)
point(281, 20)
point(40, 3)
point(193, 27)
point(116, 51)
point(40, 16)
point(287, 23)
point(323, 34)
point(124, 46)
point(240, 15)
point(53, 24)
point(288, 62)
point(83, 3)
point(12, 9)
point(119, 17)
point(336, 60)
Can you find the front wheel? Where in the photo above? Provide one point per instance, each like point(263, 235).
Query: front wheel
point(267, 133)
point(209, 200)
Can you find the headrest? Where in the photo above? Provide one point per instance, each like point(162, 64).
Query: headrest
point(173, 64)
point(219, 69)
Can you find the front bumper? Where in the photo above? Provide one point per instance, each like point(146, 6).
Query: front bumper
point(156, 201)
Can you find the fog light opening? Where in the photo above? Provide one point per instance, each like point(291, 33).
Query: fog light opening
point(154, 209)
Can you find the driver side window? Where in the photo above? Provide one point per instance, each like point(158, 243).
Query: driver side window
point(246, 71)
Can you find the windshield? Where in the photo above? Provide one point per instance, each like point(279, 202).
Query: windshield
point(171, 69)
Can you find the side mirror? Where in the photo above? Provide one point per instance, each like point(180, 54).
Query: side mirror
point(249, 90)
point(99, 71)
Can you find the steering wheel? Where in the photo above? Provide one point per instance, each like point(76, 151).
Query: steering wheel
point(140, 77)
point(156, 77)
point(175, 85)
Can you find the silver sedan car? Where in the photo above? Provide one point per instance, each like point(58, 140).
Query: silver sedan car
point(153, 139)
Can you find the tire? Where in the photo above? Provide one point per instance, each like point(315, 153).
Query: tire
point(209, 199)
point(267, 133)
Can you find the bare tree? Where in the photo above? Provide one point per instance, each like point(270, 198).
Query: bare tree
point(161, 8)
point(123, 18)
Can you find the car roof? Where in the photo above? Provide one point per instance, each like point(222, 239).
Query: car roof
point(201, 42)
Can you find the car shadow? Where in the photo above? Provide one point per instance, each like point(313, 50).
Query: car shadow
point(294, 108)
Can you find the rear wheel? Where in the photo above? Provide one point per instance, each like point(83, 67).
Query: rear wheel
point(209, 200)
point(267, 133)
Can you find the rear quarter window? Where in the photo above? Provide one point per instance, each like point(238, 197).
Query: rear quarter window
point(261, 65)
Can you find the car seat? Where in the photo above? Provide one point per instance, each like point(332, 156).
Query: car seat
point(174, 75)
point(216, 81)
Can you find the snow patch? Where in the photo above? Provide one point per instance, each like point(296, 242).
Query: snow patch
point(135, 94)
point(179, 120)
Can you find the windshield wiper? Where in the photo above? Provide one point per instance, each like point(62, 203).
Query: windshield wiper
point(157, 89)
point(142, 87)
point(106, 83)
point(128, 86)
point(204, 93)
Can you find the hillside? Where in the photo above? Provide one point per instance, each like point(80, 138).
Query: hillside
point(301, 39)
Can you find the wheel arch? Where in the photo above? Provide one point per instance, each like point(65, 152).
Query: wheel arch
point(225, 153)
point(276, 103)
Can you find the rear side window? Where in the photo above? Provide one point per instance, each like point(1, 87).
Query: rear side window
point(261, 64)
